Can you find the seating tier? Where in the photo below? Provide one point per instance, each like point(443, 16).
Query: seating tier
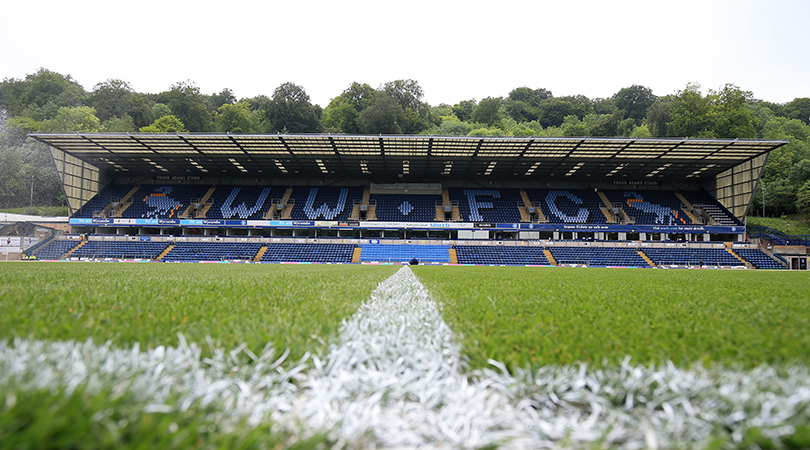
point(319, 253)
point(120, 249)
point(758, 258)
point(55, 249)
point(692, 256)
point(598, 256)
point(492, 255)
point(404, 253)
point(565, 206)
point(212, 251)
point(405, 207)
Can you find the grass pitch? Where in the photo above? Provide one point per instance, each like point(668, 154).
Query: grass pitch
point(524, 317)
point(527, 316)
point(295, 307)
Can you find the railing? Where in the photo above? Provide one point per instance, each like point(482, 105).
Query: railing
point(776, 237)
point(30, 250)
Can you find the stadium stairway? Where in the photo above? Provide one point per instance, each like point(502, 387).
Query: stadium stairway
point(608, 211)
point(125, 200)
point(453, 256)
point(688, 209)
point(747, 264)
point(356, 254)
point(550, 257)
point(260, 253)
point(164, 252)
point(646, 258)
point(70, 252)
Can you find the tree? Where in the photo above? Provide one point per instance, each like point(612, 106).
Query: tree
point(464, 109)
point(803, 200)
point(634, 101)
point(730, 113)
point(799, 108)
point(572, 126)
point(359, 95)
point(523, 103)
point(385, 116)
point(799, 173)
point(188, 105)
point(343, 112)
point(604, 106)
point(38, 90)
point(225, 97)
point(488, 111)
point(341, 116)
point(553, 111)
point(81, 118)
point(234, 118)
point(407, 94)
point(111, 98)
point(606, 125)
point(690, 113)
point(119, 125)
point(166, 124)
point(291, 111)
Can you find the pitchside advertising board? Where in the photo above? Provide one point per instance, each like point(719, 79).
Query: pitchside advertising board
point(406, 225)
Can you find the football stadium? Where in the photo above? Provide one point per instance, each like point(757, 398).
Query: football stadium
point(405, 291)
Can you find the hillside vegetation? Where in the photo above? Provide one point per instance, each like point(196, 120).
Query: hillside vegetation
point(47, 101)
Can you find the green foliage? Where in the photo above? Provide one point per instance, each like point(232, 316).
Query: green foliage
point(799, 109)
point(119, 125)
point(81, 118)
point(535, 316)
point(523, 103)
point(634, 101)
point(383, 117)
point(161, 110)
point(488, 111)
point(234, 118)
point(166, 124)
point(553, 111)
point(690, 113)
point(290, 110)
point(112, 98)
point(38, 90)
point(224, 97)
point(295, 307)
point(341, 116)
point(47, 211)
point(188, 105)
point(464, 109)
point(27, 164)
point(803, 199)
point(787, 225)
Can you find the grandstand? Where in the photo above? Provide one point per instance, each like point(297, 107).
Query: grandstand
point(380, 199)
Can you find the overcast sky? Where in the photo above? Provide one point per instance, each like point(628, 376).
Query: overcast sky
point(455, 50)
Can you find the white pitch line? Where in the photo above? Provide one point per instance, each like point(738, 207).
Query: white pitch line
point(395, 373)
point(395, 380)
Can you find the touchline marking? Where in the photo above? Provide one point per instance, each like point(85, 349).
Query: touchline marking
point(395, 380)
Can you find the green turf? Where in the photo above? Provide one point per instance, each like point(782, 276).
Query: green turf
point(299, 307)
point(54, 419)
point(535, 316)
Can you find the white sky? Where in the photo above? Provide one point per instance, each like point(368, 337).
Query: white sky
point(456, 50)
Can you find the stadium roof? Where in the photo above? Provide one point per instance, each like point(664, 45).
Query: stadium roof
point(407, 157)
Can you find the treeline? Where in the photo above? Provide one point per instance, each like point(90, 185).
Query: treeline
point(47, 101)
